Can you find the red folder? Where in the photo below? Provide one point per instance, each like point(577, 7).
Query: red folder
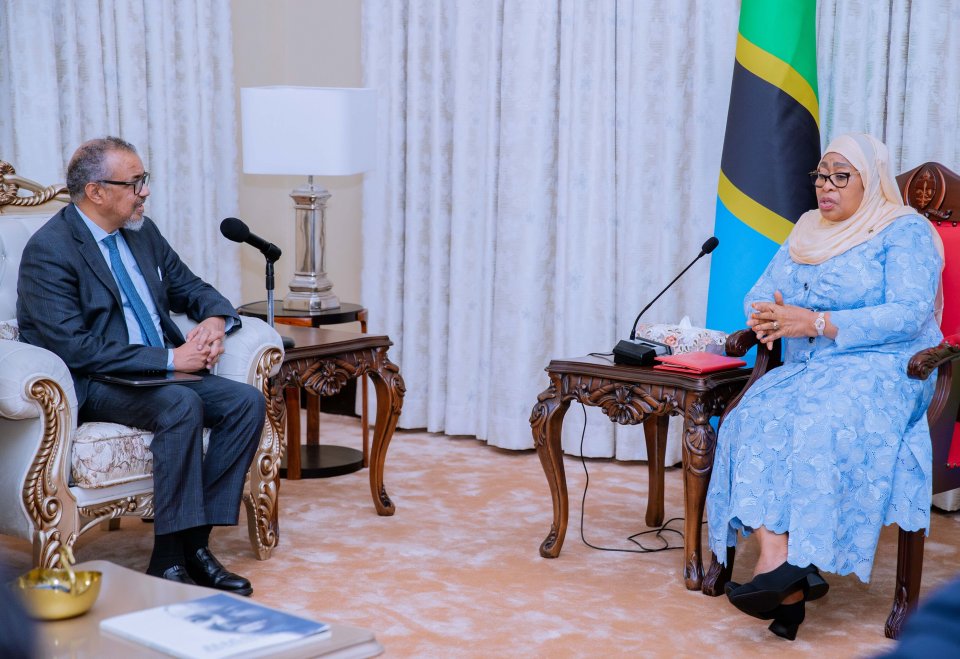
point(697, 363)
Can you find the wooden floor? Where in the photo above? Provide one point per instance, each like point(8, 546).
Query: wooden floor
point(457, 573)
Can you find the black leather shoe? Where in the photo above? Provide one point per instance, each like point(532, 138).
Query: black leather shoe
point(177, 573)
point(787, 619)
point(762, 615)
point(814, 588)
point(766, 591)
point(206, 570)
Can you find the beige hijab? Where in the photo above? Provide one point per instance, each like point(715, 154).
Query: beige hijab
point(815, 240)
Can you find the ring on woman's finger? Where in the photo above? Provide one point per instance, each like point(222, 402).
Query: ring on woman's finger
point(776, 325)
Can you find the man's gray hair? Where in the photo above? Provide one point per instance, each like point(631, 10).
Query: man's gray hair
point(89, 163)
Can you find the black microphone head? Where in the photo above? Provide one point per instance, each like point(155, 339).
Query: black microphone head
point(707, 247)
point(234, 229)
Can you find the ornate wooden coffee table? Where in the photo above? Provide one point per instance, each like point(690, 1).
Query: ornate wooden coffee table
point(630, 395)
point(322, 362)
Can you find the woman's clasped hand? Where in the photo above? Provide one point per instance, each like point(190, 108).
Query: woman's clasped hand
point(775, 320)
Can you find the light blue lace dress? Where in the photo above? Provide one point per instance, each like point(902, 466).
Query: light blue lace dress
point(834, 444)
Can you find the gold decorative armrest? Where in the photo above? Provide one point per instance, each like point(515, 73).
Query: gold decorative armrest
point(10, 185)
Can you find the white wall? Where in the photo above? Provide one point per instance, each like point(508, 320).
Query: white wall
point(313, 43)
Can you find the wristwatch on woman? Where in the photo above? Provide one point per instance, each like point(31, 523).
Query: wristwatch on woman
point(820, 323)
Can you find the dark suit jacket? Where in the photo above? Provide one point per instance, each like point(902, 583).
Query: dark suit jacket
point(69, 303)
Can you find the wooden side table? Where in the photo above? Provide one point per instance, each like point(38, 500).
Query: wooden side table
point(630, 395)
point(322, 362)
point(333, 460)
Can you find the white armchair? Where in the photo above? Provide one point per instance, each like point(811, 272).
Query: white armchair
point(58, 480)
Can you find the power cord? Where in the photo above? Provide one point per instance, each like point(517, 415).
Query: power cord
point(604, 355)
point(658, 533)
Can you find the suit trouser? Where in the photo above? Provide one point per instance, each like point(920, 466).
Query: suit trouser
point(189, 489)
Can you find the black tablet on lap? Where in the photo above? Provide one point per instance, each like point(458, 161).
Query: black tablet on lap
point(146, 379)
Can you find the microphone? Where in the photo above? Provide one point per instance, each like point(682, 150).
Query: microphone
point(643, 351)
point(237, 231)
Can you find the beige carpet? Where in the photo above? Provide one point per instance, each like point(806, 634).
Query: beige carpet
point(457, 573)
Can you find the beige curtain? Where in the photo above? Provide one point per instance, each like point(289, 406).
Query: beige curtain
point(158, 74)
point(546, 166)
point(892, 68)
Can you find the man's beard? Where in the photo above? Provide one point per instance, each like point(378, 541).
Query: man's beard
point(132, 223)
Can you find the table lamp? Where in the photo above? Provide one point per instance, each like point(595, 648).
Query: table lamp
point(322, 131)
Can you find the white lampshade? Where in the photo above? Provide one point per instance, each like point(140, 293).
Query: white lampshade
point(323, 131)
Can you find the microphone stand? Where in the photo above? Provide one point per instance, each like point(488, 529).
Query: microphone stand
point(288, 342)
point(633, 332)
point(270, 293)
point(643, 352)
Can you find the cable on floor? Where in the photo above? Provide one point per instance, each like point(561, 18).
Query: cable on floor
point(659, 533)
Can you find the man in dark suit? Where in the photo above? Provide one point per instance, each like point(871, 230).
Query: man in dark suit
point(97, 284)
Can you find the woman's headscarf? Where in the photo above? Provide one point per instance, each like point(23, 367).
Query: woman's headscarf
point(815, 239)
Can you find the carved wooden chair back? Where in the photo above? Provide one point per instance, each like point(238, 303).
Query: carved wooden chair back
point(934, 191)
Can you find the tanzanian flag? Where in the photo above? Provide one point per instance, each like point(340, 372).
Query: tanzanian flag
point(772, 142)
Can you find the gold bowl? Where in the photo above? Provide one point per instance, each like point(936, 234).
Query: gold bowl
point(50, 594)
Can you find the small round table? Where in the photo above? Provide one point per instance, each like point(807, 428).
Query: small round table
point(347, 312)
point(318, 460)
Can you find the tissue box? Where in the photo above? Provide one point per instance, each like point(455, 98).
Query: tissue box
point(683, 337)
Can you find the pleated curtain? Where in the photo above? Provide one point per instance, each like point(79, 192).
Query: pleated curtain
point(158, 74)
point(545, 167)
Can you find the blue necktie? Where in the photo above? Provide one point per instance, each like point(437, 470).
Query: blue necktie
point(147, 329)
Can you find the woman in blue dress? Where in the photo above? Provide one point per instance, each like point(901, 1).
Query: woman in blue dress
point(825, 450)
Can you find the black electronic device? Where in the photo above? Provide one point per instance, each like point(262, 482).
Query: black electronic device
point(237, 231)
point(147, 379)
point(639, 352)
point(642, 352)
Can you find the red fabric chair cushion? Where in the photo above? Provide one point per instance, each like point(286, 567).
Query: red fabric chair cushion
point(950, 235)
point(950, 322)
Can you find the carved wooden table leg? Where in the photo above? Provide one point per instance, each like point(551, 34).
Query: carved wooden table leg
point(389, 388)
point(291, 397)
point(364, 416)
point(546, 421)
point(313, 418)
point(699, 442)
point(717, 574)
point(655, 432)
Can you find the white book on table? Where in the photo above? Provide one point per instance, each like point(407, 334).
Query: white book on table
point(212, 627)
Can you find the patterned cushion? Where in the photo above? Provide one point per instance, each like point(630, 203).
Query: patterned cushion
point(106, 454)
point(9, 330)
